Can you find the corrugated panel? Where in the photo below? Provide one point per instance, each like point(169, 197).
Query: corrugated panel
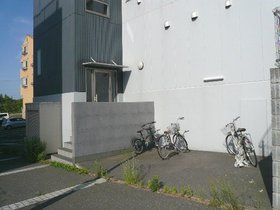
point(97, 37)
point(32, 123)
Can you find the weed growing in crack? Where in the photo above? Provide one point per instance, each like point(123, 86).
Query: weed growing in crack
point(186, 191)
point(222, 195)
point(131, 173)
point(99, 169)
point(154, 184)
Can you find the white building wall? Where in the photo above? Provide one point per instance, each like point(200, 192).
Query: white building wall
point(236, 43)
point(67, 99)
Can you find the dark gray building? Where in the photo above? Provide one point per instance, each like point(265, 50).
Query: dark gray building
point(70, 33)
point(77, 53)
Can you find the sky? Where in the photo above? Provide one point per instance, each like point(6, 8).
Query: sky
point(16, 21)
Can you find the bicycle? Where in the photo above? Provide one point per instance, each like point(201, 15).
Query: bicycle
point(234, 136)
point(147, 141)
point(178, 143)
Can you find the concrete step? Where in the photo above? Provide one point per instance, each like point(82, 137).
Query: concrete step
point(68, 145)
point(65, 152)
point(62, 159)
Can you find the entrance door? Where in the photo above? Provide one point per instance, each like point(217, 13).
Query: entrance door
point(104, 86)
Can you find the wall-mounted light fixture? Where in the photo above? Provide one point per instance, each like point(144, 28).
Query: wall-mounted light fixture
point(166, 25)
point(228, 4)
point(140, 65)
point(139, 2)
point(213, 79)
point(194, 15)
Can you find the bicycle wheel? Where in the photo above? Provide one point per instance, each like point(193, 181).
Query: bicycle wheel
point(230, 145)
point(181, 143)
point(249, 151)
point(137, 145)
point(163, 147)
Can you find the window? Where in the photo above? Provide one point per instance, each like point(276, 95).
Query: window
point(24, 65)
point(24, 50)
point(97, 7)
point(24, 82)
point(39, 62)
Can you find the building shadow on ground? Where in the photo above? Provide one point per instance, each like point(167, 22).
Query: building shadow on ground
point(265, 166)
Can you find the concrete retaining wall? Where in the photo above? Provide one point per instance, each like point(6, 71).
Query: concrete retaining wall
point(50, 125)
point(275, 109)
point(43, 120)
point(100, 128)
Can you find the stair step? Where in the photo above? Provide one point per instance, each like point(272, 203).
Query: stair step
point(62, 159)
point(68, 145)
point(65, 152)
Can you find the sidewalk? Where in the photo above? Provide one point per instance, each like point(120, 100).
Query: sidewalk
point(197, 169)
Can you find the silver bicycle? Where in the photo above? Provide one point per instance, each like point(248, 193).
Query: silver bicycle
point(176, 143)
point(235, 136)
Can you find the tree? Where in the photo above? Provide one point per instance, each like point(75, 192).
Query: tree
point(10, 105)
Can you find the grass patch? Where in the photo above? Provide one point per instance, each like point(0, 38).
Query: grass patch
point(99, 169)
point(222, 195)
point(131, 174)
point(187, 191)
point(154, 184)
point(34, 149)
point(68, 167)
point(170, 189)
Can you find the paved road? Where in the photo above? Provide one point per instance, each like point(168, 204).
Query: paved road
point(8, 137)
point(115, 196)
point(25, 183)
point(11, 145)
point(20, 187)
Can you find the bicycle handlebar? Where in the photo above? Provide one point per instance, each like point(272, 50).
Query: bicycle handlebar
point(149, 123)
point(236, 118)
point(233, 121)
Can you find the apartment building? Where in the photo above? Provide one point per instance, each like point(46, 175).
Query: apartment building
point(26, 73)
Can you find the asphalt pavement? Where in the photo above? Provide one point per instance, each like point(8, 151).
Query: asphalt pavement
point(200, 169)
point(21, 186)
point(45, 187)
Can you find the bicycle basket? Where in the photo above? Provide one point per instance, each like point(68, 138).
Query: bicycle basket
point(227, 129)
point(174, 128)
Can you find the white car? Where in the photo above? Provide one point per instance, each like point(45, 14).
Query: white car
point(3, 116)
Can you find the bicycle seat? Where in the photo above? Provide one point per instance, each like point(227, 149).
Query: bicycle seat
point(241, 129)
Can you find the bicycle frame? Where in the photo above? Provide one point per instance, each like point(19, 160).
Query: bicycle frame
point(176, 131)
point(233, 130)
point(151, 135)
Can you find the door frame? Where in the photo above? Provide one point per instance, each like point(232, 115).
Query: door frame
point(112, 96)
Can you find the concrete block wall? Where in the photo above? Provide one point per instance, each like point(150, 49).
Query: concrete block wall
point(104, 128)
point(275, 109)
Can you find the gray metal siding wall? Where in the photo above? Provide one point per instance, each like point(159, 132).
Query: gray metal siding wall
point(97, 37)
point(100, 128)
point(69, 36)
point(51, 32)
